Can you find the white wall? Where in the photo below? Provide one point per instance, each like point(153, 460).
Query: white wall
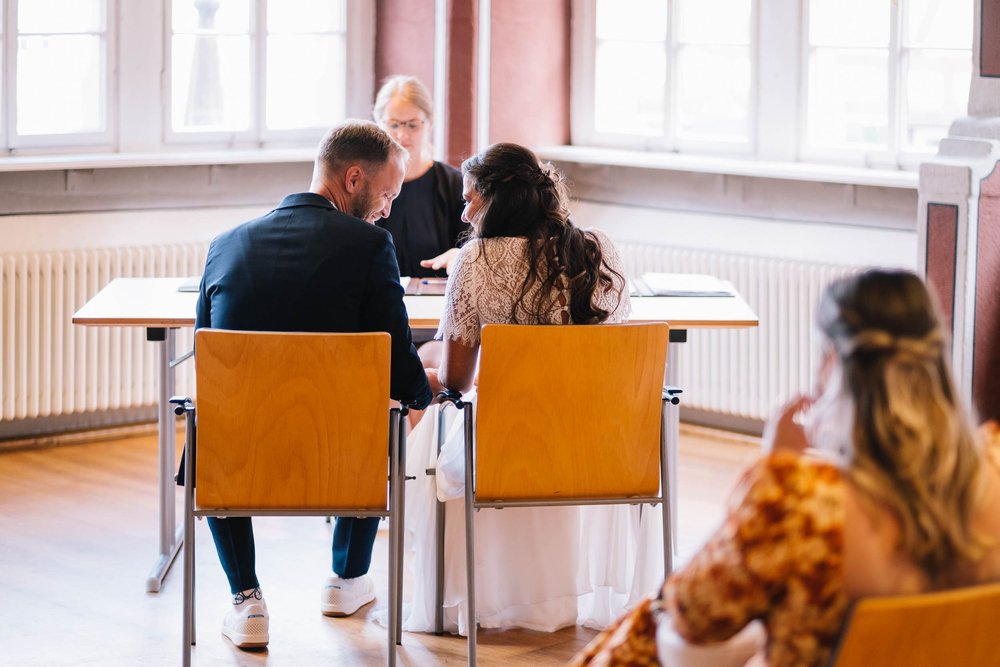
point(804, 241)
point(73, 231)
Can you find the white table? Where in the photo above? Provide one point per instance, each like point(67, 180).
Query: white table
point(156, 305)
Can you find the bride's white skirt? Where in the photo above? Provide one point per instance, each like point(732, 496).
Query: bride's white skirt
point(538, 568)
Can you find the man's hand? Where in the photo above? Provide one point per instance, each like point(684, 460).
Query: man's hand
point(443, 260)
point(436, 386)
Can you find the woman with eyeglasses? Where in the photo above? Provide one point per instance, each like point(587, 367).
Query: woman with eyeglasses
point(426, 218)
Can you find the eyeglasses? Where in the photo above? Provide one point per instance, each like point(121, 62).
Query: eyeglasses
point(411, 125)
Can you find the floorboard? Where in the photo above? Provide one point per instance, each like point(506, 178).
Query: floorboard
point(78, 537)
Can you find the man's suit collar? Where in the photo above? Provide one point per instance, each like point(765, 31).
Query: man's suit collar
point(306, 199)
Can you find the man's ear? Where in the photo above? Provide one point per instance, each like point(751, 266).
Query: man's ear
point(354, 178)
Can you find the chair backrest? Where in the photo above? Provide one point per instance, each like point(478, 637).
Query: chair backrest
point(569, 411)
point(292, 420)
point(957, 627)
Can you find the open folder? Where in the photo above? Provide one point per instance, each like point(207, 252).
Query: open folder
point(424, 286)
point(686, 284)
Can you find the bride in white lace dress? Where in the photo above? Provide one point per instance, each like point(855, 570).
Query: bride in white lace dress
point(537, 568)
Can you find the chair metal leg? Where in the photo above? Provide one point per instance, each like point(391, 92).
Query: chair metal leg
point(188, 622)
point(394, 533)
point(194, 572)
point(470, 543)
point(439, 533)
point(400, 528)
point(672, 429)
point(194, 589)
point(666, 508)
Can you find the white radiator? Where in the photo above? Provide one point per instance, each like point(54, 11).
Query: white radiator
point(744, 372)
point(51, 367)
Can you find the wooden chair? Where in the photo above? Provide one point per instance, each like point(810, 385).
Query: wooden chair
point(956, 627)
point(293, 424)
point(566, 415)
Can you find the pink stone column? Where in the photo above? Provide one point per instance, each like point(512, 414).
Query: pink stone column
point(942, 257)
point(959, 223)
point(530, 71)
point(989, 38)
point(404, 40)
point(986, 341)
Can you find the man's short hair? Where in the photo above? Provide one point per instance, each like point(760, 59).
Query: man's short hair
point(358, 141)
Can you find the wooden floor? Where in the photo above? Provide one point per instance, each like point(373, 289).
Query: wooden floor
point(78, 537)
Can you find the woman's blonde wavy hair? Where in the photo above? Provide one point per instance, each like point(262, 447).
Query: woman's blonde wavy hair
point(913, 448)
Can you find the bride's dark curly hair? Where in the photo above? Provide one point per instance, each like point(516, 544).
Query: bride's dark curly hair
point(523, 197)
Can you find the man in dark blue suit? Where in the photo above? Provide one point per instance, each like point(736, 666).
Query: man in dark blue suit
point(316, 263)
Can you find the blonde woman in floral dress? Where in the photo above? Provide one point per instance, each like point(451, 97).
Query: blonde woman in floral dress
point(886, 490)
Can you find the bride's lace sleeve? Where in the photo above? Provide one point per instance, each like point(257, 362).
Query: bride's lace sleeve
point(460, 321)
point(616, 300)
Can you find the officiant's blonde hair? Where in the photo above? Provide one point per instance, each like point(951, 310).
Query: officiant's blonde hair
point(404, 88)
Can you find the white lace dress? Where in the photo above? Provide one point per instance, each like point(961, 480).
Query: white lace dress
point(537, 568)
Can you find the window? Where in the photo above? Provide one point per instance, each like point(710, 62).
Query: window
point(886, 78)
point(257, 69)
point(671, 74)
point(120, 75)
point(870, 82)
point(56, 72)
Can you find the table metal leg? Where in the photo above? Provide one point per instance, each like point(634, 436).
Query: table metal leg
point(673, 430)
point(171, 535)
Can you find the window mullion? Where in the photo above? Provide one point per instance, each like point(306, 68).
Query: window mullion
point(258, 43)
point(10, 75)
point(583, 64)
point(753, 102)
point(895, 89)
point(671, 52)
point(780, 57)
point(141, 99)
point(112, 82)
point(6, 80)
point(805, 59)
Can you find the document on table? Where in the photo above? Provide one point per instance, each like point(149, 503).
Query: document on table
point(423, 286)
point(686, 284)
point(192, 284)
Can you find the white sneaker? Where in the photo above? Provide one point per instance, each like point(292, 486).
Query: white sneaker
point(246, 624)
point(343, 597)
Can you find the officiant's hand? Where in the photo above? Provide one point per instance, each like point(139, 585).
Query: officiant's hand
point(443, 260)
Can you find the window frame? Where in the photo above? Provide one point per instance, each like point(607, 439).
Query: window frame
point(45, 143)
point(258, 134)
point(137, 88)
point(889, 158)
point(780, 62)
point(582, 68)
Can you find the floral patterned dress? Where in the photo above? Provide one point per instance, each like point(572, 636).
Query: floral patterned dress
point(778, 557)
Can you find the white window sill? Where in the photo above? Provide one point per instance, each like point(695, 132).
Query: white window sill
point(165, 159)
point(796, 171)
